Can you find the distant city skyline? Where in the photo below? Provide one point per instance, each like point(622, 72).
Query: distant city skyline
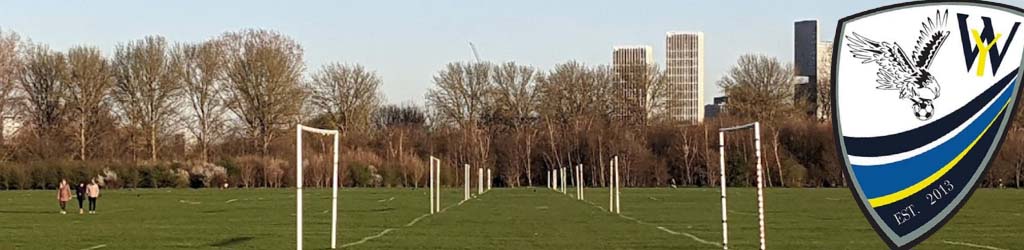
point(407, 43)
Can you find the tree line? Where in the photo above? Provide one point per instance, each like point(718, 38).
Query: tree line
point(156, 113)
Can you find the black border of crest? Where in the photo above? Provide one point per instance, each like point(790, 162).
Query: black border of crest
point(839, 152)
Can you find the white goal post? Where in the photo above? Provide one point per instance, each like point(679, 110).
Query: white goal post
point(613, 186)
point(298, 184)
point(465, 183)
point(579, 182)
point(760, 180)
point(435, 185)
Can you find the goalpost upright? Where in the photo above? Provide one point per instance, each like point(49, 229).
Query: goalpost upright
point(760, 181)
point(554, 180)
point(298, 184)
point(613, 186)
point(565, 179)
point(582, 183)
point(435, 185)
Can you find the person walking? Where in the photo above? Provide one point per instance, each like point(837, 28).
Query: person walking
point(93, 191)
point(63, 195)
point(80, 195)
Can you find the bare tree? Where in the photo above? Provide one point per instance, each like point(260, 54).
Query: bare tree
point(460, 96)
point(759, 87)
point(201, 69)
point(460, 93)
point(575, 99)
point(516, 105)
point(42, 81)
point(574, 91)
point(347, 94)
point(264, 71)
point(146, 87)
point(10, 64)
point(402, 127)
point(88, 83)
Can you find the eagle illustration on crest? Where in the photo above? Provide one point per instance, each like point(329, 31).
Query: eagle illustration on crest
point(907, 74)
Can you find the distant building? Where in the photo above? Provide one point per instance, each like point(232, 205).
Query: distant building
point(805, 62)
point(812, 60)
point(631, 65)
point(824, 55)
point(718, 107)
point(684, 63)
point(824, 76)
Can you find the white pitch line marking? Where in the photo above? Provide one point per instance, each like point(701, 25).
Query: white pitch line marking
point(388, 230)
point(668, 230)
point(231, 200)
point(691, 236)
point(413, 222)
point(742, 213)
point(190, 202)
point(368, 238)
point(956, 243)
point(95, 247)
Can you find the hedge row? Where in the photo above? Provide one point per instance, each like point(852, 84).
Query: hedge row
point(244, 171)
point(47, 174)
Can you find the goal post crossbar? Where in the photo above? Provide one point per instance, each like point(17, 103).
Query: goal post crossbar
point(756, 126)
point(734, 128)
point(298, 183)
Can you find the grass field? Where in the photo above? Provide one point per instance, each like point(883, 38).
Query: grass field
point(500, 219)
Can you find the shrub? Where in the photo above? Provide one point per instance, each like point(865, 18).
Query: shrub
point(273, 171)
point(392, 174)
point(179, 177)
point(6, 177)
point(205, 174)
point(111, 174)
point(361, 167)
point(248, 166)
point(157, 175)
point(110, 179)
point(42, 175)
point(362, 175)
point(130, 176)
point(232, 169)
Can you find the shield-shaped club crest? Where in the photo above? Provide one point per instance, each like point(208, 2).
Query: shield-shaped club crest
point(922, 95)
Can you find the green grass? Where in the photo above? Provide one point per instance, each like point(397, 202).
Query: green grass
point(502, 218)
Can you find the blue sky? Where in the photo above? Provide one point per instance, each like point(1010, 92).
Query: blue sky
point(406, 42)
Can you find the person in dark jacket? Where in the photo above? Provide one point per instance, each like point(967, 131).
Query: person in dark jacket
point(80, 194)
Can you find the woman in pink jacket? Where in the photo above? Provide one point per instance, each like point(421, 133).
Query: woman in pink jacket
point(63, 195)
point(93, 191)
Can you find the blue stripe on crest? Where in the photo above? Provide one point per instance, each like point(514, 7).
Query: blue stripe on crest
point(880, 180)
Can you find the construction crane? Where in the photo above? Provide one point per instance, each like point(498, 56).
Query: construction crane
point(475, 53)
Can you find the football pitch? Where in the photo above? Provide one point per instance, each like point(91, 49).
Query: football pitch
point(525, 218)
